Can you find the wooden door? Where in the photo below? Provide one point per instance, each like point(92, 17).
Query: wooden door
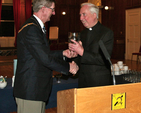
point(133, 29)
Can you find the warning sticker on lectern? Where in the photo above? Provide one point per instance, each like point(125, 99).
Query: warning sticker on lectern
point(118, 101)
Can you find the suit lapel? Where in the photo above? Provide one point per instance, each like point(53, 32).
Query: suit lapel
point(36, 22)
point(45, 39)
point(44, 34)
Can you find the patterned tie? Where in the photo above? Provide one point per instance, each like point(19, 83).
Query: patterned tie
point(44, 29)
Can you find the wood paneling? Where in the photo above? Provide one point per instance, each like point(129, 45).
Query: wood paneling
point(99, 99)
point(136, 2)
point(69, 22)
point(128, 3)
point(115, 20)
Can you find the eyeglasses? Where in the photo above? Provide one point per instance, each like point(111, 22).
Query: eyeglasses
point(53, 9)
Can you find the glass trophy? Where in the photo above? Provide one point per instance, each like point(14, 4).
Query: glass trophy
point(74, 36)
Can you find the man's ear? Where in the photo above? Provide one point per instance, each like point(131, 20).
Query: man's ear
point(94, 14)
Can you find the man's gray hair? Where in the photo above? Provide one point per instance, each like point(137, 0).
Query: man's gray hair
point(38, 4)
point(93, 8)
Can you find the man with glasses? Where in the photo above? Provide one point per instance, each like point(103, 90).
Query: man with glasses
point(53, 9)
point(33, 79)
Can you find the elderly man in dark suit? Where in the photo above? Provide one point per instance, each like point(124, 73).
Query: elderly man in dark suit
point(33, 79)
point(94, 69)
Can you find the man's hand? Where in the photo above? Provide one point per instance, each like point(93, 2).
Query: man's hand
point(76, 47)
point(69, 54)
point(73, 67)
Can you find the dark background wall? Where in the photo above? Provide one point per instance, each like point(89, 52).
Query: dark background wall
point(114, 19)
point(69, 22)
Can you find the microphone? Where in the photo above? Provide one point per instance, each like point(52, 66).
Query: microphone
point(107, 56)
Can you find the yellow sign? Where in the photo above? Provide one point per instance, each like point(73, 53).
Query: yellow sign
point(118, 101)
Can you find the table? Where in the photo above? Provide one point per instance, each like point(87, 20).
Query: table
point(120, 80)
point(6, 51)
point(7, 101)
point(8, 104)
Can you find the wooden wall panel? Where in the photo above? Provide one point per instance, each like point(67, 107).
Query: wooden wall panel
point(72, 19)
point(115, 20)
point(128, 3)
point(63, 22)
point(69, 22)
point(136, 2)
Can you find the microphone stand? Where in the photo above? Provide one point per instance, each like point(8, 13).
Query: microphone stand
point(114, 80)
point(107, 56)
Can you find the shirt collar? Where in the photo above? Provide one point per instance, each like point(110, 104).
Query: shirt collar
point(40, 22)
point(90, 29)
point(95, 26)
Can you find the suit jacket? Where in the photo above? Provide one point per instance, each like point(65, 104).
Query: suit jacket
point(94, 69)
point(33, 79)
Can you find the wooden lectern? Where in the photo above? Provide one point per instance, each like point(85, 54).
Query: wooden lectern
point(100, 99)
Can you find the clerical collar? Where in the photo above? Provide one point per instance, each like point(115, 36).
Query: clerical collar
point(90, 29)
point(95, 26)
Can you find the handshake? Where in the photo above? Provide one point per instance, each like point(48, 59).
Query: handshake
point(75, 49)
point(73, 66)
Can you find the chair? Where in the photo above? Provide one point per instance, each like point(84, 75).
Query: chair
point(138, 54)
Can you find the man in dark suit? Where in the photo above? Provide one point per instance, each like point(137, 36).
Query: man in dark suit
point(94, 69)
point(33, 79)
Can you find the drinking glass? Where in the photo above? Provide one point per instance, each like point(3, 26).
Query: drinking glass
point(58, 76)
point(74, 36)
